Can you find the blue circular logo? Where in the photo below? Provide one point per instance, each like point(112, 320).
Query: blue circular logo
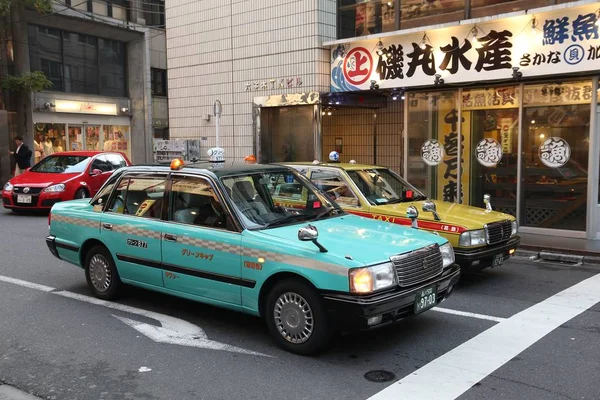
point(334, 156)
point(574, 54)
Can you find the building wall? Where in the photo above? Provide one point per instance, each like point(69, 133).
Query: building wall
point(237, 51)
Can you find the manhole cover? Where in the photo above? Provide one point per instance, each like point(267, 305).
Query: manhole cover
point(380, 375)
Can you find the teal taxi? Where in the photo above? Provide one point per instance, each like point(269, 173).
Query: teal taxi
point(216, 234)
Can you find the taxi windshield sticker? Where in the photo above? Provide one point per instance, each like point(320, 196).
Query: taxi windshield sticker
point(144, 207)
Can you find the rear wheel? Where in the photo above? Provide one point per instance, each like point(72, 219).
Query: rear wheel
point(296, 317)
point(81, 193)
point(101, 273)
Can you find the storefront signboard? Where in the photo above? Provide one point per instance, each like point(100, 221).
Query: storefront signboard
point(448, 174)
point(85, 107)
point(561, 41)
point(558, 94)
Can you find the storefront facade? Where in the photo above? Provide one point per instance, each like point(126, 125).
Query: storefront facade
point(503, 106)
point(64, 124)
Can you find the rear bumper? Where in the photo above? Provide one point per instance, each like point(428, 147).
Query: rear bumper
point(352, 313)
point(51, 243)
point(483, 257)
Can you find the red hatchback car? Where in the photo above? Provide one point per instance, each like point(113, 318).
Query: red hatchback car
point(59, 177)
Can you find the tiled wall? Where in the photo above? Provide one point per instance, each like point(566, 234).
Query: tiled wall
point(215, 49)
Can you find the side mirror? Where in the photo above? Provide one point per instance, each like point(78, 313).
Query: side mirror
point(96, 172)
point(310, 234)
point(487, 201)
point(429, 206)
point(27, 169)
point(413, 214)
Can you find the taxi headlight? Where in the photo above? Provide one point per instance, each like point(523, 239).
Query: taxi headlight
point(447, 254)
point(371, 279)
point(515, 228)
point(8, 187)
point(472, 238)
point(55, 188)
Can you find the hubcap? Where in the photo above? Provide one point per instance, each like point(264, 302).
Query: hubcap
point(100, 273)
point(293, 318)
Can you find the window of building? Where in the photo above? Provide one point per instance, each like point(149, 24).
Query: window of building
point(154, 13)
point(159, 82)
point(78, 63)
point(112, 68)
point(139, 196)
point(45, 54)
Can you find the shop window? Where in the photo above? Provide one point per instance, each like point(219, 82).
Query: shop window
point(53, 71)
point(433, 146)
point(484, 8)
point(112, 68)
point(158, 82)
point(117, 138)
point(490, 129)
point(154, 13)
point(360, 18)
point(555, 143)
point(53, 138)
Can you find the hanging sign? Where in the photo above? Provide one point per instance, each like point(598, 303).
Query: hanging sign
point(559, 42)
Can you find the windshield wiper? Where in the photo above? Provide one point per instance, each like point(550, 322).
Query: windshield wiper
point(325, 213)
point(419, 197)
point(284, 219)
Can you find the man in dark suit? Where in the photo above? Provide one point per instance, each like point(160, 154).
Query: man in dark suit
point(22, 156)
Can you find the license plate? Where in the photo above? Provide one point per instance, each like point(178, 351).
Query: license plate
point(24, 198)
point(425, 299)
point(498, 260)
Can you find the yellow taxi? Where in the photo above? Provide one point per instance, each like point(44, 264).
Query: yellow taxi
point(481, 237)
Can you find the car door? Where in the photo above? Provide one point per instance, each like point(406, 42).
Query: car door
point(201, 255)
point(132, 225)
point(99, 171)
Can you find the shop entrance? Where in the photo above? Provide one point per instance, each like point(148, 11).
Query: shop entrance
point(286, 134)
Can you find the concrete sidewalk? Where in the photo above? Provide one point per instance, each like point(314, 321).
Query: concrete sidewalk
point(10, 393)
point(556, 248)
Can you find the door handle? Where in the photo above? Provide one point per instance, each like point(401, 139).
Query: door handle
point(170, 238)
point(107, 227)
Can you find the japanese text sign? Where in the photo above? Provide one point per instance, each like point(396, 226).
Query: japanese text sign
point(563, 41)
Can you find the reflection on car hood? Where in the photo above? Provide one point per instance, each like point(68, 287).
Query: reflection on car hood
point(38, 179)
point(450, 213)
point(363, 239)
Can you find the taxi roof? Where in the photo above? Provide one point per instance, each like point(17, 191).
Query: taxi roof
point(346, 166)
point(229, 168)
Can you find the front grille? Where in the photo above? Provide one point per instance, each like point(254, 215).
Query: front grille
point(418, 266)
point(32, 190)
point(498, 232)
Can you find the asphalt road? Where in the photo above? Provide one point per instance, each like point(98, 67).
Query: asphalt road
point(502, 344)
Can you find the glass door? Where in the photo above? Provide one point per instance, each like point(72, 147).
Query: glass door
point(490, 127)
point(76, 138)
point(84, 137)
point(556, 131)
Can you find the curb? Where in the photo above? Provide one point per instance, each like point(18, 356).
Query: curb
point(579, 258)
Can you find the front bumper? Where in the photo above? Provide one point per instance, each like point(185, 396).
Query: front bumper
point(39, 201)
point(483, 257)
point(351, 313)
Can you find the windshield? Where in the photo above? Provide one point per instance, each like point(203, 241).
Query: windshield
point(267, 200)
point(382, 186)
point(61, 164)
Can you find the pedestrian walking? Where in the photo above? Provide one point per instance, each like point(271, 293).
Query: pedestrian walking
point(22, 156)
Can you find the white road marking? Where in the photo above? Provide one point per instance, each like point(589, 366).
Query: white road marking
point(452, 374)
point(26, 284)
point(468, 314)
point(172, 330)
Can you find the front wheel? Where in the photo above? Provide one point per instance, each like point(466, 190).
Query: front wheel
point(296, 318)
point(101, 273)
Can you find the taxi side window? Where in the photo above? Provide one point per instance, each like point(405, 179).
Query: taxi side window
point(139, 196)
point(193, 201)
point(102, 197)
point(334, 185)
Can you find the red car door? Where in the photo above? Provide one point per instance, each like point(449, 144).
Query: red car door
point(99, 172)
